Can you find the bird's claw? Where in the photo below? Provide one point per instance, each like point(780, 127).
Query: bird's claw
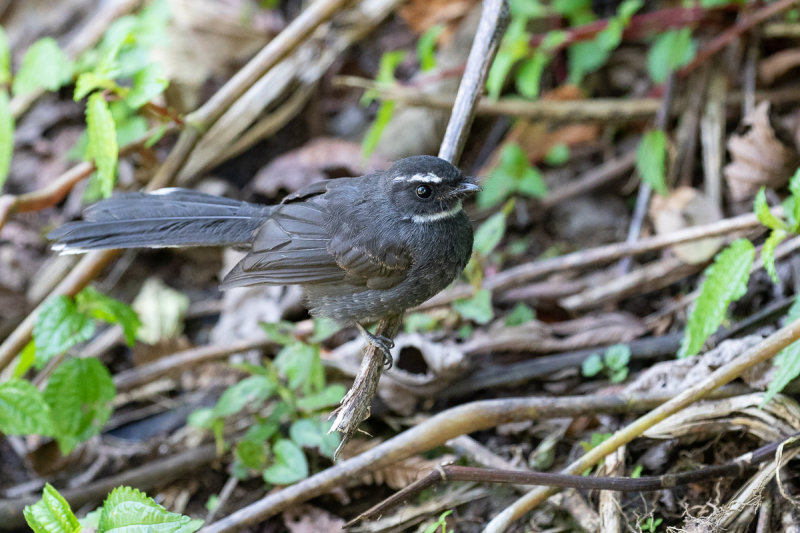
point(382, 343)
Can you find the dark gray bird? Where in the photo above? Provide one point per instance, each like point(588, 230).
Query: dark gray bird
point(364, 248)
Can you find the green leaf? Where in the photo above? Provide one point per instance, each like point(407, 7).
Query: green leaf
point(102, 148)
point(617, 356)
point(426, 47)
point(88, 82)
point(327, 397)
point(251, 454)
point(43, 66)
point(127, 510)
point(419, 323)
point(794, 188)
point(51, 514)
point(592, 365)
point(787, 362)
point(23, 410)
point(59, 326)
point(202, 418)
point(618, 376)
point(296, 361)
point(651, 158)
point(765, 216)
point(671, 50)
point(557, 155)
point(529, 75)
point(768, 252)
point(373, 135)
point(80, 394)
point(725, 282)
point(585, 57)
point(26, 359)
point(490, 233)
point(250, 392)
point(6, 136)
point(107, 309)
point(5, 58)
point(279, 332)
point(147, 84)
point(478, 308)
point(290, 464)
point(521, 314)
point(309, 433)
point(532, 183)
point(513, 48)
point(323, 329)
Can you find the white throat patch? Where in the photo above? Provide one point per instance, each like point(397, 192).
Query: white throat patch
point(433, 217)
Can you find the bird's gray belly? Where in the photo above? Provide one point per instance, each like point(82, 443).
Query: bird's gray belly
point(348, 304)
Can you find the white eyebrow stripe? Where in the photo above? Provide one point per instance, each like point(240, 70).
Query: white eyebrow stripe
point(453, 211)
point(421, 178)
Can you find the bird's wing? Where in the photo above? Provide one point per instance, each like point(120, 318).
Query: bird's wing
point(300, 243)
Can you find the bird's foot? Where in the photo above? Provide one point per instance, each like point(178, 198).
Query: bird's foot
point(382, 343)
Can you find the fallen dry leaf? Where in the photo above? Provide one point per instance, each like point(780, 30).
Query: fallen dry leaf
point(760, 155)
point(311, 519)
point(683, 208)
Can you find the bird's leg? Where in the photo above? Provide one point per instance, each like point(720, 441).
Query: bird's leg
point(383, 344)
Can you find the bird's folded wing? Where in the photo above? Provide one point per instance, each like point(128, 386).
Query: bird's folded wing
point(295, 245)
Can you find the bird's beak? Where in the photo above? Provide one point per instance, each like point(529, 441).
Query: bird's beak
point(466, 188)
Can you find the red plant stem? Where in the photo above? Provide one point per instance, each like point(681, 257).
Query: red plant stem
point(725, 38)
point(640, 25)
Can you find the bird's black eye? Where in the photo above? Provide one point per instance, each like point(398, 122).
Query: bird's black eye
point(423, 191)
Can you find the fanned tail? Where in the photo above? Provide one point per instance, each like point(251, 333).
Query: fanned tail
point(165, 218)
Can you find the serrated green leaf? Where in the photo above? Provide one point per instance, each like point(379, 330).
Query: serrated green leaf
point(162, 310)
point(43, 66)
point(6, 136)
point(765, 216)
point(59, 326)
point(768, 252)
point(250, 391)
point(490, 233)
point(327, 397)
point(290, 464)
point(671, 50)
point(127, 510)
point(88, 82)
point(51, 514)
point(426, 46)
point(23, 410)
point(102, 148)
point(478, 308)
point(107, 309)
point(5, 58)
point(279, 332)
point(309, 433)
point(323, 329)
point(251, 454)
point(787, 365)
point(80, 394)
point(592, 365)
point(651, 160)
point(147, 84)
point(725, 282)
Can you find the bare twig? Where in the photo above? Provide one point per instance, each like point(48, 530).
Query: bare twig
point(765, 350)
point(460, 420)
point(354, 407)
point(449, 473)
point(527, 272)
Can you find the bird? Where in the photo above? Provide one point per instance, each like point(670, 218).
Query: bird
point(364, 248)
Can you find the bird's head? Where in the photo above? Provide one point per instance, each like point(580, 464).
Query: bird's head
point(427, 189)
